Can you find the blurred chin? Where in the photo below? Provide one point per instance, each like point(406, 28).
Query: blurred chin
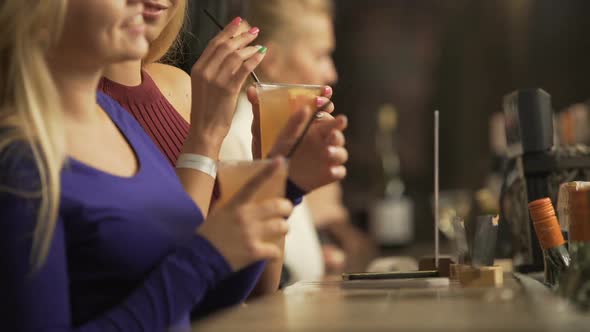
point(135, 50)
point(152, 31)
point(141, 50)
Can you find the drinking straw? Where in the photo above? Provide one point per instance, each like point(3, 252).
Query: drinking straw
point(221, 28)
point(300, 138)
point(436, 189)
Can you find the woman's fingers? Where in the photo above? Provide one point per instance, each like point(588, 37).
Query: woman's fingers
point(264, 250)
point(322, 101)
point(230, 30)
point(252, 95)
point(336, 138)
point(327, 92)
point(227, 49)
point(337, 173)
point(274, 228)
point(232, 62)
point(341, 122)
point(247, 67)
point(337, 155)
point(327, 125)
point(227, 33)
point(274, 208)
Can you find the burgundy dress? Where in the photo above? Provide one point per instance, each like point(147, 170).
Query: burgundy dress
point(153, 111)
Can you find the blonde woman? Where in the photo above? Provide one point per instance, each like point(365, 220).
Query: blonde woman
point(165, 100)
point(96, 231)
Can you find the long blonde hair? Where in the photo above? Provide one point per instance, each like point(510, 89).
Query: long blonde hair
point(167, 45)
point(29, 103)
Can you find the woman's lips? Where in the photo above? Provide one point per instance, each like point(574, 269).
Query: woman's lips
point(153, 10)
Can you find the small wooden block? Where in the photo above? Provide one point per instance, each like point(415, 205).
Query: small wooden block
point(444, 262)
point(454, 271)
point(485, 276)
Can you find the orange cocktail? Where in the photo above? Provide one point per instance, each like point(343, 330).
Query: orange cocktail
point(277, 103)
point(233, 175)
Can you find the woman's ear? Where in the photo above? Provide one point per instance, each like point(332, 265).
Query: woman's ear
point(273, 63)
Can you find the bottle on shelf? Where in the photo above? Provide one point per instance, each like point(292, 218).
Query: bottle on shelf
point(574, 206)
point(555, 254)
point(392, 216)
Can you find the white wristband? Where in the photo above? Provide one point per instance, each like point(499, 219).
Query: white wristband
point(197, 162)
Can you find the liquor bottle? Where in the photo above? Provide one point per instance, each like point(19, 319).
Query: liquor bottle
point(392, 216)
point(555, 254)
point(575, 209)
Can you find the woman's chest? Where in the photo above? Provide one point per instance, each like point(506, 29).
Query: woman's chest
point(119, 225)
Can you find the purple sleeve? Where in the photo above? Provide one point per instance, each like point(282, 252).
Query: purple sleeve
point(40, 301)
point(231, 291)
point(294, 193)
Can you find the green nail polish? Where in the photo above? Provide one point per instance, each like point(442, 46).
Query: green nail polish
point(262, 50)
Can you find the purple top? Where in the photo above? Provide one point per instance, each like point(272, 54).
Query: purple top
point(168, 130)
point(124, 255)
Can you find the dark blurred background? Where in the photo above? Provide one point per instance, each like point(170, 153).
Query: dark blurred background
point(457, 56)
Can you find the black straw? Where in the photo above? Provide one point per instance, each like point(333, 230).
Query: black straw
point(214, 20)
point(314, 116)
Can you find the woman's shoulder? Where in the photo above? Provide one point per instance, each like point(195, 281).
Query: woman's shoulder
point(18, 167)
point(116, 111)
point(175, 85)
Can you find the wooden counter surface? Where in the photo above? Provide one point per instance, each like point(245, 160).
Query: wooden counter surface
point(410, 305)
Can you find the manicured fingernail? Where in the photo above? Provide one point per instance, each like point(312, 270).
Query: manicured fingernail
point(319, 115)
point(327, 90)
point(332, 150)
point(319, 102)
point(262, 50)
point(338, 171)
point(236, 21)
point(344, 120)
point(254, 30)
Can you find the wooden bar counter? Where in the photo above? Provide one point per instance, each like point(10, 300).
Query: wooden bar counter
point(521, 304)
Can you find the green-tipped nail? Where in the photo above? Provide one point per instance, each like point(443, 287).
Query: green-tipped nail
point(262, 50)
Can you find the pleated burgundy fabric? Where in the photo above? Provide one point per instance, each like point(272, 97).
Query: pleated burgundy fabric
point(151, 109)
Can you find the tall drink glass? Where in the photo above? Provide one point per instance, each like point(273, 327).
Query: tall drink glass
point(233, 175)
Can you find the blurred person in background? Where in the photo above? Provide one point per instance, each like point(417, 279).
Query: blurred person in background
point(300, 40)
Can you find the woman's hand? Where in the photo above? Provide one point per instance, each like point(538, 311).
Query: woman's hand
point(334, 259)
point(244, 231)
point(217, 78)
point(320, 158)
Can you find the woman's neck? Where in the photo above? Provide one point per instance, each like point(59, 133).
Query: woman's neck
point(76, 87)
point(126, 73)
